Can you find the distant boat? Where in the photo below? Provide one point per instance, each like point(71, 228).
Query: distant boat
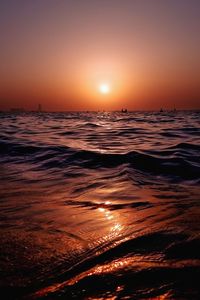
point(124, 110)
point(174, 110)
point(161, 110)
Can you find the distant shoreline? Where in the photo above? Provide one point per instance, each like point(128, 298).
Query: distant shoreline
point(95, 111)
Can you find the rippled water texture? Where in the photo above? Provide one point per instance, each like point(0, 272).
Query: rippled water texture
point(100, 205)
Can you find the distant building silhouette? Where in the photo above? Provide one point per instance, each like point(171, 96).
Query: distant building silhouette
point(39, 107)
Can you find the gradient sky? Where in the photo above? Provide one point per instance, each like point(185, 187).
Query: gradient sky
point(58, 52)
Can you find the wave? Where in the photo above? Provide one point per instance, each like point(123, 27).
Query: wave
point(166, 162)
point(100, 205)
point(150, 280)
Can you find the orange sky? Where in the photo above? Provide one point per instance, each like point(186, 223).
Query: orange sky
point(58, 53)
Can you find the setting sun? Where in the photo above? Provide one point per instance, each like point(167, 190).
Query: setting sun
point(104, 88)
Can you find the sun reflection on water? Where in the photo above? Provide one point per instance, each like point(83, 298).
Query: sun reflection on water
point(109, 215)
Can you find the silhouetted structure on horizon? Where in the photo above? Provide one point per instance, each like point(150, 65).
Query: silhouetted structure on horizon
point(39, 107)
point(124, 110)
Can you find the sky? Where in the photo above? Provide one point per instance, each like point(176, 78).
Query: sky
point(60, 53)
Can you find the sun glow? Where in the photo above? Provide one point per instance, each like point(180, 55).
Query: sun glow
point(104, 88)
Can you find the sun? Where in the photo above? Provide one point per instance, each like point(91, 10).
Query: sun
point(104, 88)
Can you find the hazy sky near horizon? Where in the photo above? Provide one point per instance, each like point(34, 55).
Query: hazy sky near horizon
point(59, 52)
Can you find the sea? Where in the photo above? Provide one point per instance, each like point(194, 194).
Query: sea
point(100, 205)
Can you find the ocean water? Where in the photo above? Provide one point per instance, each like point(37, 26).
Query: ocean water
point(100, 205)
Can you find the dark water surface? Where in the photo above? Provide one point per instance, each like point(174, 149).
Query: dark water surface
point(100, 205)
